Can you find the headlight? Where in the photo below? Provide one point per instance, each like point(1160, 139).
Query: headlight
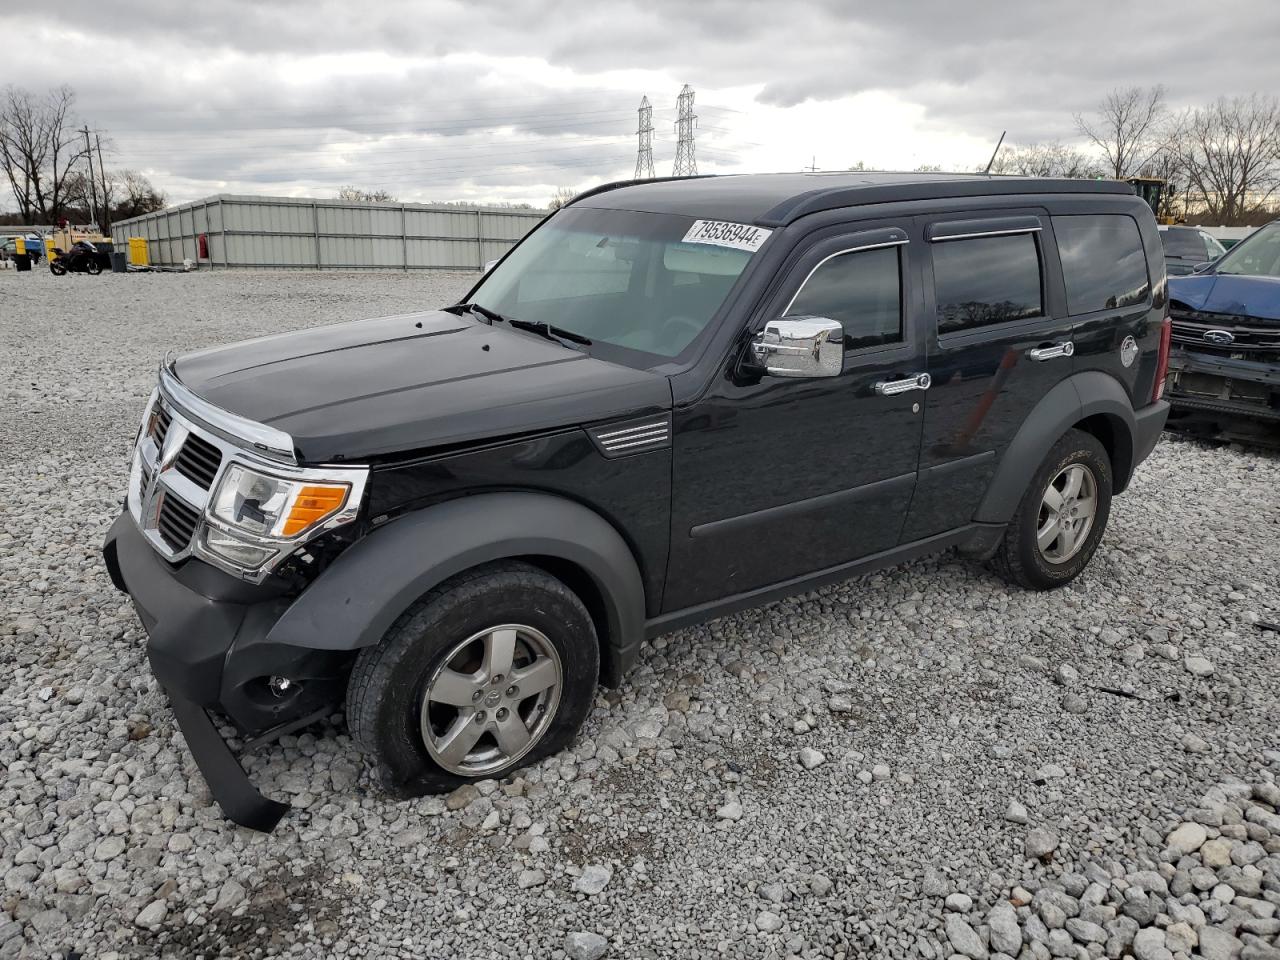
point(265, 506)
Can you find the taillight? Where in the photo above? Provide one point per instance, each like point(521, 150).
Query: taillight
point(1162, 359)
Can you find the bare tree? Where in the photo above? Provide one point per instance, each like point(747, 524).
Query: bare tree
point(365, 196)
point(1052, 159)
point(39, 149)
point(1230, 154)
point(135, 195)
point(1127, 127)
point(562, 197)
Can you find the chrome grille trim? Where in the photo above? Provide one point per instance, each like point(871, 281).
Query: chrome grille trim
point(171, 485)
point(246, 434)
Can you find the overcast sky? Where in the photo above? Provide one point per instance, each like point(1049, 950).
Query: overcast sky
point(492, 101)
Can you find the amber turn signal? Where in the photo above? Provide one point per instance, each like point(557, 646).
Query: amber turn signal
point(313, 504)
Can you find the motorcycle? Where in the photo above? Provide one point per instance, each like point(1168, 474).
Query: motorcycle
point(83, 258)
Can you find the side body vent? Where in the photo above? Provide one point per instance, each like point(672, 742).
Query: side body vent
point(633, 436)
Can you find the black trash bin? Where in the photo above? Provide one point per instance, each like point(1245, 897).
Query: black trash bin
point(119, 261)
point(23, 262)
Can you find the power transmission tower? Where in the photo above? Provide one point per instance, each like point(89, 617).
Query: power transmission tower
point(644, 158)
point(686, 164)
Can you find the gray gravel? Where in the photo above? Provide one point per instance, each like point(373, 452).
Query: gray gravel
point(815, 778)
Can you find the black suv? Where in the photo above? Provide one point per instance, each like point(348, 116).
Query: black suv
point(671, 400)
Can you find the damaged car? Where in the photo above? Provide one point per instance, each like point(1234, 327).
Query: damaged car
point(1224, 366)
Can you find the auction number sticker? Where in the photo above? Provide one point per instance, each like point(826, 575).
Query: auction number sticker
point(740, 236)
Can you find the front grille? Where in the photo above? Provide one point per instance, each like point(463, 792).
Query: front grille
point(160, 425)
point(176, 522)
point(1250, 340)
point(199, 461)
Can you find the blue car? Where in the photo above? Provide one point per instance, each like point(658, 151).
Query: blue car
point(1224, 368)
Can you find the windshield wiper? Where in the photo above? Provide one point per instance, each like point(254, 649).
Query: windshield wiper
point(540, 327)
point(548, 330)
point(491, 315)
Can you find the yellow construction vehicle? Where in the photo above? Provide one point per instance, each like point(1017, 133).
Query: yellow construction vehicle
point(1155, 191)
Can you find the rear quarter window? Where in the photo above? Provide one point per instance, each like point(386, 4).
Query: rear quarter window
point(1103, 263)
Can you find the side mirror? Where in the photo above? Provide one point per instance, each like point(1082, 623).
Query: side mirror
point(1202, 267)
point(801, 347)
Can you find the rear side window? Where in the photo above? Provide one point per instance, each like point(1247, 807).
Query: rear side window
point(862, 290)
point(1103, 262)
point(986, 280)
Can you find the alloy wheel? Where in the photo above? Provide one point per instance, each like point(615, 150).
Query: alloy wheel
point(491, 700)
point(1067, 512)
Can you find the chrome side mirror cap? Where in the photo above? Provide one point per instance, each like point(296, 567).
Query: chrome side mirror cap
point(800, 347)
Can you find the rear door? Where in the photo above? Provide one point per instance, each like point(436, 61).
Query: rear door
point(999, 339)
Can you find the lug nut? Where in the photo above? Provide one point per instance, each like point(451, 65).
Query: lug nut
point(480, 716)
point(502, 713)
point(496, 680)
point(512, 690)
point(475, 697)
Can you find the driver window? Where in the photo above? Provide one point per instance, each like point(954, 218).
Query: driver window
point(862, 290)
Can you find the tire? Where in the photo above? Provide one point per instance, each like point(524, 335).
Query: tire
point(92, 267)
point(1077, 458)
point(57, 268)
point(445, 639)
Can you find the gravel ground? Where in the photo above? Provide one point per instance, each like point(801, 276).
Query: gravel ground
point(918, 763)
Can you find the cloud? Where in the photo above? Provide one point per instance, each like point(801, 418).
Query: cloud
point(488, 100)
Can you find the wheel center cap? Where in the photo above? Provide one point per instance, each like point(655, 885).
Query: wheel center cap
point(492, 699)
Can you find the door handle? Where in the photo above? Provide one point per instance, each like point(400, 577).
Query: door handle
point(1052, 352)
point(891, 388)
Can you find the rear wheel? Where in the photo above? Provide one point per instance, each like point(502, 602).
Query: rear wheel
point(491, 671)
point(57, 268)
point(1062, 516)
point(92, 267)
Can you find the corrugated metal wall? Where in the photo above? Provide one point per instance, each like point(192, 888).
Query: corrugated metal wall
point(285, 233)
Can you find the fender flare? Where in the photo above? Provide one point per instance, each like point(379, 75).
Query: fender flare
point(354, 602)
point(1078, 397)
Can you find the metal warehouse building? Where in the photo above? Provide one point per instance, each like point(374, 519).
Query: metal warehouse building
point(290, 233)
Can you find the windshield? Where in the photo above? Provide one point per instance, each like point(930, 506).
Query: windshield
point(1258, 255)
point(619, 277)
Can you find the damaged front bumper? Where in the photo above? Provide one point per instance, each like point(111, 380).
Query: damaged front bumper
point(1222, 388)
point(207, 645)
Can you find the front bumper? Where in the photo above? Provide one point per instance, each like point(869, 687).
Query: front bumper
point(1225, 388)
point(207, 645)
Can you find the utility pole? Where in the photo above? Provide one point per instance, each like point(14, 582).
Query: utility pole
point(686, 164)
point(644, 155)
point(813, 164)
point(105, 226)
point(93, 184)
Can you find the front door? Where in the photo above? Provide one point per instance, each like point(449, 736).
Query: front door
point(999, 339)
point(776, 478)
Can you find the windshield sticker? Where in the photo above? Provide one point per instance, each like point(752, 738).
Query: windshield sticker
point(739, 236)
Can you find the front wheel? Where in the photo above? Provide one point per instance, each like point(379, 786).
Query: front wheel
point(491, 671)
point(92, 267)
point(57, 268)
point(1062, 516)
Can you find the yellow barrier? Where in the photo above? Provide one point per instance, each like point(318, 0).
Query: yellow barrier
point(138, 252)
point(20, 246)
point(48, 247)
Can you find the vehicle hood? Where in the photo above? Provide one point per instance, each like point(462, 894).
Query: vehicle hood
point(1255, 298)
point(373, 388)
